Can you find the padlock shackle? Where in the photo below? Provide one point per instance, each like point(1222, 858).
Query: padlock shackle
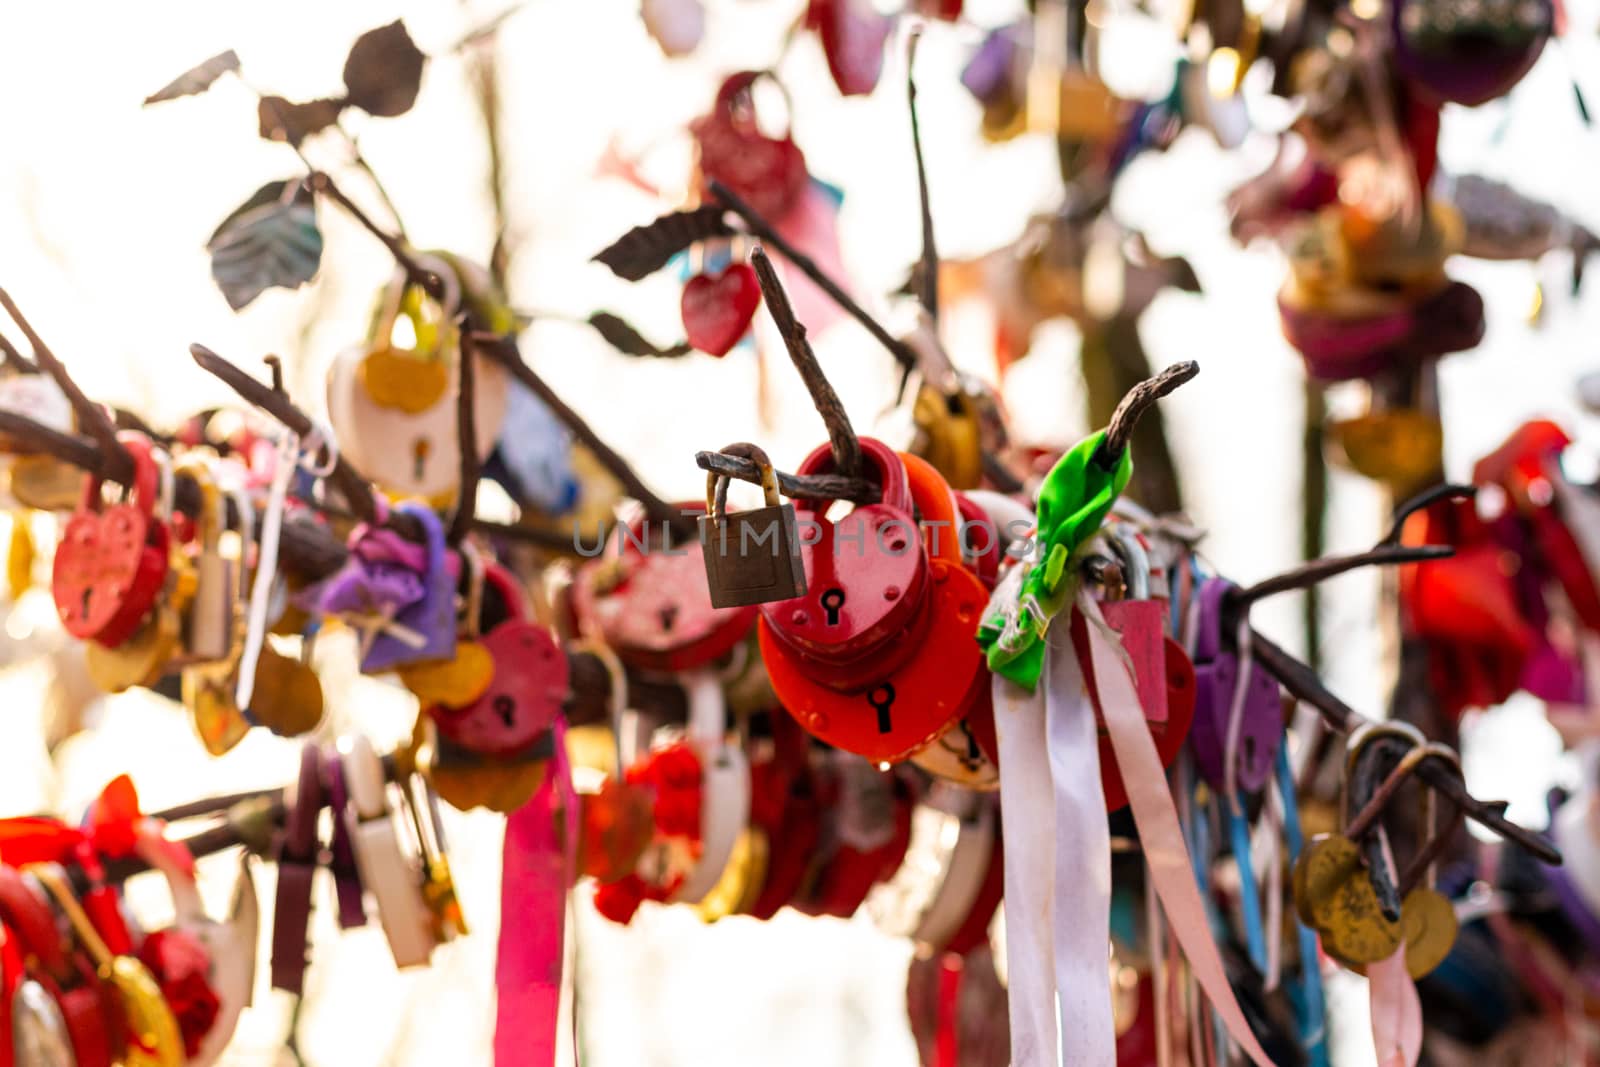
point(210, 519)
point(936, 503)
point(146, 476)
point(1358, 750)
point(395, 295)
point(736, 105)
point(890, 474)
point(717, 484)
point(1135, 560)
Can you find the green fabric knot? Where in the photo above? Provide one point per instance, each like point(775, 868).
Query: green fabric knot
point(1073, 502)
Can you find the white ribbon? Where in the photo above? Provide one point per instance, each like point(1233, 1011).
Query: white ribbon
point(1057, 866)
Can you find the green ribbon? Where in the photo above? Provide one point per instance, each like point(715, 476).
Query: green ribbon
point(1073, 502)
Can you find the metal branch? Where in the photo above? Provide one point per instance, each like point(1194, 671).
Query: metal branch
point(504, 350)
point(466, 441)
point(15, 359)
point(358, 493)
point(415, 271)
point(1135, 402)
point(846, 448)
point(799, 486)
point(930, 254)
point(761, 228)
point(1443, 491)
point(91, 416)
point(1319, 570)
point(1303, 684)
point(305, 548)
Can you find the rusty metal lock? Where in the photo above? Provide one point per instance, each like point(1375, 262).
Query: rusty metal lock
point(866, 579)
point(752, 557)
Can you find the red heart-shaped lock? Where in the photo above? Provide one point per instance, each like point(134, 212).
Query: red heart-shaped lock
point(866, 578)
point(654, 607)
point(717, 308)
point(112, 561)
point(618, 823)
point(523, 699)
point(768, 173)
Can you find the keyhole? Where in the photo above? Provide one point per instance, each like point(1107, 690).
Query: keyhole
point(668, 615)
point(881, 705)
point(419, 457)
point(506, 708)
point(1250, 751)
point(832, 601)
point(84, 607)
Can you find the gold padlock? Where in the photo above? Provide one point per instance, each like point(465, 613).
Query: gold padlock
point(1402, 448)
point(209, 630)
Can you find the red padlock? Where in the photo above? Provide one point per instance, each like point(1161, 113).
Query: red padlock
point(112, 561)
point(1140, 621)
point(653, 607)
point(1528, 467)
point(1465, 607)
point(526, 691)
point(848, 874)
point(979, 538)
point(88, 1008)
point(866, 578)
point(768, 173)
point(906, 703)
point(784, 805)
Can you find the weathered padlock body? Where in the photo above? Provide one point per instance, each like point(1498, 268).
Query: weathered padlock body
point(753, 557)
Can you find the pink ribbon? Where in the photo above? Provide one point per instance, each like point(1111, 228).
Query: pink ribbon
point(1396, 1011)
point(1157, 821)
point(538, 859)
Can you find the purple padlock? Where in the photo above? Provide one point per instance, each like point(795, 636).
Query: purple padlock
point(1216, 674)
point(432, 619)
point(362, 587)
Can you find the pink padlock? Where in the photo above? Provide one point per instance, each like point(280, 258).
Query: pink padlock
point(1139, 621)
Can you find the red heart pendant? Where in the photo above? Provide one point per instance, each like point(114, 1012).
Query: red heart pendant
point(852, 35)
point(717, 308)
point(523, 699)
point(769, 173)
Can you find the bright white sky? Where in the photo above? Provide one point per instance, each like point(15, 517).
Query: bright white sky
point(105, 208)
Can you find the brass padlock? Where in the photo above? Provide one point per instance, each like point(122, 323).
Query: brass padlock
point(209, 633)
point(752, 557)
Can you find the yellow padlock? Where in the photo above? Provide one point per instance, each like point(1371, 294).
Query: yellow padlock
point(1403, 448)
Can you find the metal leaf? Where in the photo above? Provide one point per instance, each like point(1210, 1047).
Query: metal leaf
point(384, 71)
point(644, 250)
point(280, 120)
point(625, 339)
point(197, 79)
point(271, 240)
